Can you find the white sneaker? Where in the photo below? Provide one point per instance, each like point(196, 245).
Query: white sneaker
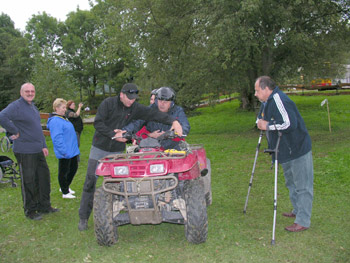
point(69, 195)
point(70, 191)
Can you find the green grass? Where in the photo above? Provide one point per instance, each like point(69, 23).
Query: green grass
point(230, 139)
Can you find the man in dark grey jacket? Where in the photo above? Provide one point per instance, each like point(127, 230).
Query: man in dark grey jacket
point(22, 119)
point(112, 115)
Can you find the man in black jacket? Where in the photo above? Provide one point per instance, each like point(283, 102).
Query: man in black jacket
point(113, 114)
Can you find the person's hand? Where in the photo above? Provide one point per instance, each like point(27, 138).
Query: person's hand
point(14, 137)
point(156, 134)
point(262, 124)
point(81, 104)
point(119, 135)
point(177, 128)
point(46, 152)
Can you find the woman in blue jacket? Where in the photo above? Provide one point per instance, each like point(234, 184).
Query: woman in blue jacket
point(65, 145)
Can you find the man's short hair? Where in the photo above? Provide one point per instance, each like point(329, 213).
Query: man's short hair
point(266, 81)
point(58, 102)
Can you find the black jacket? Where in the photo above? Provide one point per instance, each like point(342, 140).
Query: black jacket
point(112, 114)
point(77, 122)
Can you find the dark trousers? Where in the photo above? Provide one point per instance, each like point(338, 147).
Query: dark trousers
point(78, 138)
point(87, 198)
point(67, 169)
point(35, 182)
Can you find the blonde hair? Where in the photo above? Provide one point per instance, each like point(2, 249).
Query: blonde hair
point(57, 103)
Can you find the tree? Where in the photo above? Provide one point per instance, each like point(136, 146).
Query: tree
point(219, 46)
point(15, 61)
point(49, 73)
point(43, 34)
point(253, 38)
point(165, 34)
point(81, 41)
point(118, 54)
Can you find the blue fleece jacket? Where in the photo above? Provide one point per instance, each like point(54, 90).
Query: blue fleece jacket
point(282, 114)
point(24, 118)
point(64, 138)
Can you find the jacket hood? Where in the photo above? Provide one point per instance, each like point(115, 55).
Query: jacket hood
point(54, 114)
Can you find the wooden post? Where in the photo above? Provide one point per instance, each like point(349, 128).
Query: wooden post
point(329, 118)
point(325, 101)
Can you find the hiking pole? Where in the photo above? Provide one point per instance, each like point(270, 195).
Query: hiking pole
point(275, 151)
point(253, 170)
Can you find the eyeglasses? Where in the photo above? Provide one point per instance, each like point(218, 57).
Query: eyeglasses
point(132, 91)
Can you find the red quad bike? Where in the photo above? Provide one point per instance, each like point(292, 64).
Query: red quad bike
point(150, 186)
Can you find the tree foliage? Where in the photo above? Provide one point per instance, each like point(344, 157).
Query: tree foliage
point(15, 62)
point(198, 47)
point(276, 38)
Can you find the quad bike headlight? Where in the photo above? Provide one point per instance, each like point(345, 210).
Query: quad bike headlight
point(121, 170)
point(156, 168)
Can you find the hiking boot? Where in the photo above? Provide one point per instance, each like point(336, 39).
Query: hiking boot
point(34, 216)
point(83, 224)
point(49, 210)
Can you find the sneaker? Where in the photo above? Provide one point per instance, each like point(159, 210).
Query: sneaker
point(50, 210)
point(70, 191)
point(34, 216)
point(69, 195)
point(83, 224)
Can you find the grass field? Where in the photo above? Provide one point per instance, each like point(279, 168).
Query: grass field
point(230, 139)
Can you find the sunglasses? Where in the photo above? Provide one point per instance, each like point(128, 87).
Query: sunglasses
point(132, 91)
point(165, 99)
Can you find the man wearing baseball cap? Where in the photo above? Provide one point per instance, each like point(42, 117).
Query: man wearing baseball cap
point(113, 114)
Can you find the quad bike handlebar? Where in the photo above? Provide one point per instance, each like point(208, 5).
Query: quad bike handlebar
point(166, 135)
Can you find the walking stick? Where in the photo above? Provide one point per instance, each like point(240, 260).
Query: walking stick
point(253, 170)
point(275, 151)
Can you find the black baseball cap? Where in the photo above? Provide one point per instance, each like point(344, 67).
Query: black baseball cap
point(130, 90)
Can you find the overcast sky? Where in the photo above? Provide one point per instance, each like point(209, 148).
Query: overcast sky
point(21, 11)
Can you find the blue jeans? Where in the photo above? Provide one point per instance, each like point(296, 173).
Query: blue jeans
point(299, 176)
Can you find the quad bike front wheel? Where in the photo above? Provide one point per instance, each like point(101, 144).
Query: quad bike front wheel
point(196, 225)
point(105, 230)
point(207, 185)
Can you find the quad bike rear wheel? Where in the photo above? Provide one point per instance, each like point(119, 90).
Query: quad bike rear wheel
point(105, 230)
point(196, 225)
